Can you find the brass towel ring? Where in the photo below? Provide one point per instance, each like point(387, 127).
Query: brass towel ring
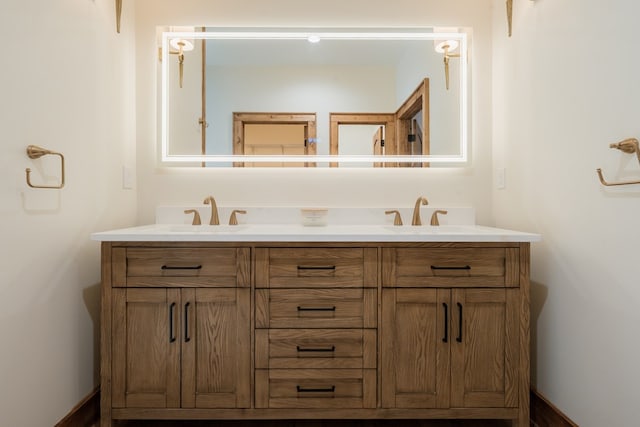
point(35, 152)
point(629, 145)
point(609, 184)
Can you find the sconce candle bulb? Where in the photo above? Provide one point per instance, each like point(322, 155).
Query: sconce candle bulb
point(443, 46)
point(183, 45)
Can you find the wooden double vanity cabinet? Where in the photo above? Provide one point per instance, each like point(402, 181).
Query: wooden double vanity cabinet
point(326, 330)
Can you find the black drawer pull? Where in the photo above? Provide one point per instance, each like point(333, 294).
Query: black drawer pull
point(301, 389)
point(300, 308)
point(316, 267)
point(187, 338)
point(464, 267)
point(459, 337)
point(446, 322)
point(194, 267)
point(172, 335)
point(326, 350)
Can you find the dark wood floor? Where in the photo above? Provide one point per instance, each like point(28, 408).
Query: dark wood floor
point(327, 423)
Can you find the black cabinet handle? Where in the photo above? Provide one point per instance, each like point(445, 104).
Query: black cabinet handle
point(446, 322)
point(459, 337)
point(316, 267)
point(187, 338)
point(193, 267)
point(332, 308)
point(462, 267)
point(172, 336)
point(301, 389)
point(326, 350)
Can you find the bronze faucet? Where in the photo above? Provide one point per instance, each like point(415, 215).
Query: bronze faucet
point(215, 220)
point(416, 211)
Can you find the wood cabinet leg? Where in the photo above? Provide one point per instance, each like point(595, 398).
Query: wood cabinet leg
point(522, 421)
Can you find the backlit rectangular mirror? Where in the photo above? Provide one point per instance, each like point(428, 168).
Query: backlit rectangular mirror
point(313, 97)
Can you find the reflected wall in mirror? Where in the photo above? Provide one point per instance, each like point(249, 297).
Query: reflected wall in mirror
point(359, 72)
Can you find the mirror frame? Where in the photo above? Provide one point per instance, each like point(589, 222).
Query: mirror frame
point(336, 33)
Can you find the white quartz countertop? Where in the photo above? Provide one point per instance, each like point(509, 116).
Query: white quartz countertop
point(299, 233)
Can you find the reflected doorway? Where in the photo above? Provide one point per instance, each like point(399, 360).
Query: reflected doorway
point(362, 134)
point(274, 134)
point(275, 139)
point(362, 140)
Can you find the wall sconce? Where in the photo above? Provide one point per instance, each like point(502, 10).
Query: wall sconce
point(118, 14)
point(446, 47)
point(178, 46)
point(509, 16)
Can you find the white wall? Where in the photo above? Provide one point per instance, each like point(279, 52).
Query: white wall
point(67, 84)
point(356, 187)
point(565, 86)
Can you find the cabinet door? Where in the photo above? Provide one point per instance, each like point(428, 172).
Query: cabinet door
point(216, 364)
point(484, 351)
point(415, 348)
point(146, 348)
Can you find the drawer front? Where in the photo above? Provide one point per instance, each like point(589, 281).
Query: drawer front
point(181, 267)
point(450, 267)
point(316, 308)
point(315, 268)
point(315, 348)
point(316, 388)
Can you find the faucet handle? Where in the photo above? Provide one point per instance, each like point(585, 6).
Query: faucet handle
point(397, 220)
point(196, 216)
point(233, 220)
point(434, 216)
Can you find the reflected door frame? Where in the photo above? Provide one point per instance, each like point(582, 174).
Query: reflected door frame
point(382, 119)
point(240, 119)
point(416, 103)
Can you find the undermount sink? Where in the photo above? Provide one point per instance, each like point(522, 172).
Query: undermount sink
point(206, 228)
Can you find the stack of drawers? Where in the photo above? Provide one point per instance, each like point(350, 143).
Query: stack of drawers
point(316, 327)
